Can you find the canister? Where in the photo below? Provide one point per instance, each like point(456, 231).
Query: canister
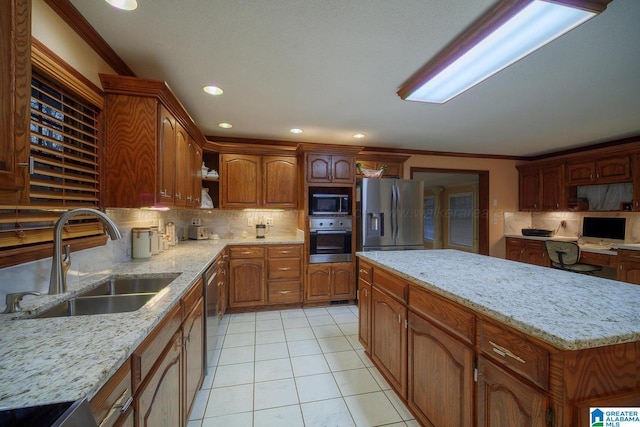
point(141, 242)
point(261, 231)
point(153, 235)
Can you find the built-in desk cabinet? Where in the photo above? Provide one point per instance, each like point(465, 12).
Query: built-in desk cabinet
point(629, 266)
point(529, 251)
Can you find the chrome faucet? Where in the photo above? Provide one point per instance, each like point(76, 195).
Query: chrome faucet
point(59, 267)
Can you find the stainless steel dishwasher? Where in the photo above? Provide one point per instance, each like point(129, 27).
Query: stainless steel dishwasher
point(66, 414)
point(211, 307)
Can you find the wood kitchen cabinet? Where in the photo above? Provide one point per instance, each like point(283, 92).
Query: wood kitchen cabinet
point(330, 282)
point(591, 171)
point(192, 346)
point(254, 181)
point(223, 282)
point(365, 279)
point(542, 188)
point(111, 406)
point(152, 145)
point(394, 163)
point(527, 250)
point(629, 266)
point(284, 274)
point(247, 286)
point(331, 168)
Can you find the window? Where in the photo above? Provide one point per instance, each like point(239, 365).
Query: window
point(461, 219)
point(429, 218)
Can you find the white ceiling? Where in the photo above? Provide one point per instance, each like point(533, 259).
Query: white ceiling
point(332, 68)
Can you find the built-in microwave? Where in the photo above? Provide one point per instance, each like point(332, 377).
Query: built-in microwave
point(329, 204)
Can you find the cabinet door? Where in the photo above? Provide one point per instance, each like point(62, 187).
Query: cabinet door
point(536, 253)
point(181, 167)
point(552, 188)
point(193, 347)
point(196, 174)
point(166, 157)
point(158, 401)
point(580, 173)
point(364, 314)
point(629, 267)
point(280, 178)
point(318, 168)
point(529, 189)
point(241, 181)
point(504, 400)
point(440, 374)
point(319, 283)
point(343, 282)
point(389, 339)
point(246, 282)
point(515, 249)
point(343, 169)
point(614, 169)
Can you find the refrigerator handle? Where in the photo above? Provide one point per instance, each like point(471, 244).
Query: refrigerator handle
point(394, 210)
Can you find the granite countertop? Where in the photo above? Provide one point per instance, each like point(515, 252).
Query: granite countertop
point(604, 248)
point(66, 358)
point(568, 310)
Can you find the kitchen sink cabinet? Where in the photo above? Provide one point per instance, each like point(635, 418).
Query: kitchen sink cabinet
point(193, 345)
point(330, 282)
point(111, 406)
point(152, 145)
point(255, 181)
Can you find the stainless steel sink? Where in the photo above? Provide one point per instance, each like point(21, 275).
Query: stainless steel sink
point(130, 285)
point(102, 304)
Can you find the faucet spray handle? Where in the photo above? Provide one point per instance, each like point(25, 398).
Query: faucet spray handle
point(66, 262)
point(13, 301)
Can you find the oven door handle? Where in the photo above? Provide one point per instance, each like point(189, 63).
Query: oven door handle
point(331, 232)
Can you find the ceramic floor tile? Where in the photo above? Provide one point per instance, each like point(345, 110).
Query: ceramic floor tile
point(241, 328)
point(345, 317)
point(276, 350)
point(317, 387)
point(372, 409)
point(296, 312)
point(398, 405)
point(199, 404)
point(344, 360)
point(327, 413)
point(309, 365)
point(244, 419)
point(295, 322)
point(271, 394)
point(268, 325)
point(304, 348)
point(239, 340)
point(315, 311)
point(236, 374)
point(384, 385)
point(354, 341)
point(194, 423)
point(365, 359)
point(333, 344)
point(327, 331)
point(230, 400)
point(321, 320)
point(298, 334)
point(269, 337)
point(290, 416)
point(234, 355)
point(242, 317)
point(342, 309)
point(349, 328)
point(267, 315)
point(356, 381)
point(268, 370)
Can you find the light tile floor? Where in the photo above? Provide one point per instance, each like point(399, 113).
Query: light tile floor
point(295, 368)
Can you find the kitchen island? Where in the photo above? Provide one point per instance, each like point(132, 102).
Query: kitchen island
point(63, 359)
point(516, 342)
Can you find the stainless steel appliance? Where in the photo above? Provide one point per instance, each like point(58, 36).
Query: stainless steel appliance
point(198, 232)
point(329, 204)
point(212, 320)
point(329, 239)
point(66, 414)
point(389, 214)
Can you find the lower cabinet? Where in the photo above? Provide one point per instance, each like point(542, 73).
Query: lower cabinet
point(629, 266)
point(389, 339)
point(192, 345)
point(437, 361)
point(504, 400)
point(247, 286)
point(364, 314)
point(111, 406)
point(529, 251)
point(330, 282)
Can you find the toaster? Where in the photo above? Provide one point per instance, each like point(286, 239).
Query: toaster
point(198, 232)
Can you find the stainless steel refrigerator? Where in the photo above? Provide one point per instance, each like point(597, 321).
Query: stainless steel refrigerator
point(389, 214)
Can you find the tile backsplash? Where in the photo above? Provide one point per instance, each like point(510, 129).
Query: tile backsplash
point(35, 275)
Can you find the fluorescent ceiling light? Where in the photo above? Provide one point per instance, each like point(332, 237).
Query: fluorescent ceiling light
point(124, 4)
point(508, 33)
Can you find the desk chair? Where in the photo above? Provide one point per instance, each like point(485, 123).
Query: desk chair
point(565, 256)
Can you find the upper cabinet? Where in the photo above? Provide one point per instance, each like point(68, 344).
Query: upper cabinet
point(331, 168)
point(259, 181)
point(394, 164)
point(599, 171)
point(542, 188)
point(15, 54)
point(153, 148)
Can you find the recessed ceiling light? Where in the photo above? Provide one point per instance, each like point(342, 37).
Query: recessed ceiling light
point(213, 90)
point(359, 135)
point(124, 4)
point(225, 125)
point(295, 130)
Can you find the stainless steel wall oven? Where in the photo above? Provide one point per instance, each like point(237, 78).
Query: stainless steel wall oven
point(329, 239)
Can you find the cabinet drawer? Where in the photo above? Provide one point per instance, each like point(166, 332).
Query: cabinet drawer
point(365, 271)
point(598, 259)
point(391, 284)
point(515, 351)
point(453, 318)
point(289, 251)
point(191, 298)
point(283, 268)
point(284, 292)
point(114, 398)
point(246, 252)
point(144, 357)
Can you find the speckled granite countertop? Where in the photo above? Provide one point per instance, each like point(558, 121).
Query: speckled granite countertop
point(568, 310)
point(66, 358)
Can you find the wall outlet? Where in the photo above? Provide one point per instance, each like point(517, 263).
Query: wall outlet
point(269, 221)
point(250, 222)
point(196, 221)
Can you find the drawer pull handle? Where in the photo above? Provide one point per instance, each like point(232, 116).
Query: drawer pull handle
point(504, 352)
point(284, 292)
point(246, 253)
point(363, 271)
point(284, 268)
point(285, 252)
point(118, 406)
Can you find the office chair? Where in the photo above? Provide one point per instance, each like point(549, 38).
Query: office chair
point(565, 256)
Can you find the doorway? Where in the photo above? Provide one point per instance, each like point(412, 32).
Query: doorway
point(456, 203)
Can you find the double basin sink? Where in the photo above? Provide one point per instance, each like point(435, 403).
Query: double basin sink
point(117, 294)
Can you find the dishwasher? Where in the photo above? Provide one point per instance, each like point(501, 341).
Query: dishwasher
point(66, 414)
point(211, 313)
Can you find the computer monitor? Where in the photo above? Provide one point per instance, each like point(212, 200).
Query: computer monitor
point(604, 228)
